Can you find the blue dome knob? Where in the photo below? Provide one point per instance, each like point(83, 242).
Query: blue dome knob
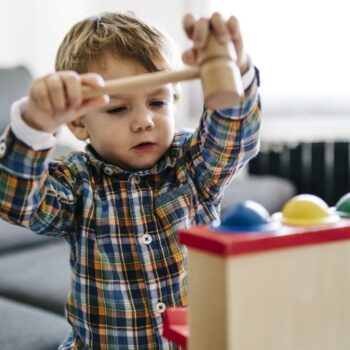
point(247, 216)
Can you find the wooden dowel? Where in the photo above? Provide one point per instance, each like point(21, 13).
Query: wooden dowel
point(127, 84)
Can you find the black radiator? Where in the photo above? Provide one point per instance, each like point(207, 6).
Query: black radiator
point(319, 168)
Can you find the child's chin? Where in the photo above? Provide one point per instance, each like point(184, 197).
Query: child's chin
point(142, 165)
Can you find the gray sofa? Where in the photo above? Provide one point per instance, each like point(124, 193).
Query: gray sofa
point(34, 271)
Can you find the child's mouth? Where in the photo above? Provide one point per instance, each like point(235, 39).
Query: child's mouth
point(144, 147)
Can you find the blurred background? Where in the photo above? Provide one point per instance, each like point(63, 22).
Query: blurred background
point(300, 48)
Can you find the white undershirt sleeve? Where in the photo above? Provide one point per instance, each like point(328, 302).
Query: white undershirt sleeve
point(35, 139)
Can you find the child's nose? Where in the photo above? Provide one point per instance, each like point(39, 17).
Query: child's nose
point(142, 121)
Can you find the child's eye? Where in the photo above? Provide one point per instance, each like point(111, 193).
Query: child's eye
point(116, 110)
point(158, 103)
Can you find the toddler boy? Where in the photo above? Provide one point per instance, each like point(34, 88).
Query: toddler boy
point(121, 203)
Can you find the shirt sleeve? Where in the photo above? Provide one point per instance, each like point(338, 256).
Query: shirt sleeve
point(36, 139)
point(32, 193)
point(225, 141)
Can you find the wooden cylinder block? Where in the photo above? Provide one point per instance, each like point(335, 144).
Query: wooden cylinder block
point(221, 78)
point(222, 84)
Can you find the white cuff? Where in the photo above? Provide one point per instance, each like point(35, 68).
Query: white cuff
point(36, 139)
point(248, 76)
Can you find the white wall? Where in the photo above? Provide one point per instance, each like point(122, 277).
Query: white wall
point(31, 30)
point(301, 48)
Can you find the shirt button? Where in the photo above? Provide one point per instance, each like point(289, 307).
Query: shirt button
point(2, 149)
point(108, 171)
point(146, 238)
point(136, 179)
point(160, 307)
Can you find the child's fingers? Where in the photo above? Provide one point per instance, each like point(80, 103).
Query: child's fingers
point(72, 88)
point(56, 91)
point(219, 27)
point(93, 103)
point(189, 57)
point(92, 80)
point(236, 36)
point(234, 28)
point(40, 95)
point(188, 24)
point(200, 33)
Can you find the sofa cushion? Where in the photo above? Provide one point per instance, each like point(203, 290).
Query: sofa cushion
point(14, 84)
point(26, 328)
point(14, 237)
point(39, 276)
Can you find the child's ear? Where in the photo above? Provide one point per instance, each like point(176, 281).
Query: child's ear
point(78, 128)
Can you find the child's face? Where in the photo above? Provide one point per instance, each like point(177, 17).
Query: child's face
point(136, 128)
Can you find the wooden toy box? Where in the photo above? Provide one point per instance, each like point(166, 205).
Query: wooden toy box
point(267, 291)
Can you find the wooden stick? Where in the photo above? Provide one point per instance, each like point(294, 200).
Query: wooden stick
point(127, 84)
point(220, 76)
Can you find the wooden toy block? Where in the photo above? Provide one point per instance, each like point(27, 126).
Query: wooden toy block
point(269, 291)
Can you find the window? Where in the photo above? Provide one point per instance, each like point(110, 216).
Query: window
point(301, 48)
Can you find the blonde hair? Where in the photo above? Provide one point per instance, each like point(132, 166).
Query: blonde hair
point(122, 35)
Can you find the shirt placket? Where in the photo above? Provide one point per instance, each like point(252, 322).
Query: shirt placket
point(141, 209)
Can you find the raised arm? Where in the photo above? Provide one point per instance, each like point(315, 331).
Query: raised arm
point(225, 139)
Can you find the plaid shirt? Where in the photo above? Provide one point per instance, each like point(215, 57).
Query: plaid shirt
point(127, 264)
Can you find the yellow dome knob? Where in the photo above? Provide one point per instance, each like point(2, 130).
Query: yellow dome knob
point(307, 210)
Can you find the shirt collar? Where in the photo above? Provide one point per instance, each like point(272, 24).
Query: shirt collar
point(169, 159)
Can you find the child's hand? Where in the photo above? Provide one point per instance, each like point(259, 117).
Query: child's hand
point(198, 31)
point(57, 99)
